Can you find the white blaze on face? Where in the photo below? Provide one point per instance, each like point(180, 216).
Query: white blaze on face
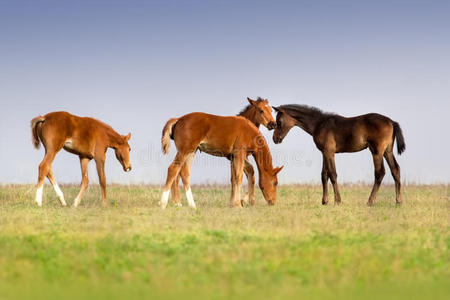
point(164, 199)
point(39, 192)
point(190, 198)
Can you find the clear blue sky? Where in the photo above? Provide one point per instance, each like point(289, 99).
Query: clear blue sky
point(135, 64)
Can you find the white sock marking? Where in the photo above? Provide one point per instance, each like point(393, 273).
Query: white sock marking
point(60, 194)
point(39, 192)
point(190, 198)
point(164, 199)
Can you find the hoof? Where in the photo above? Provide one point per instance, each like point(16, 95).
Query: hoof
point(324, 202)
point(178, 204)
point(370, 203)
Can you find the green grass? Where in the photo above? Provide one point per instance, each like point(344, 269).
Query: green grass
point(298, 248)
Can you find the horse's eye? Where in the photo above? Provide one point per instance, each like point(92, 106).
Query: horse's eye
point(275, 183)
point(261, 111)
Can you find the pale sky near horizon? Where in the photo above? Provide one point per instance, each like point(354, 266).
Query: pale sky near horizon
point(135, 64)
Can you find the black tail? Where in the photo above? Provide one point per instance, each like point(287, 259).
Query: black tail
point(401, 146)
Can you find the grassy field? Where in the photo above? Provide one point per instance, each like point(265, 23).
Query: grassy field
point(298, 248)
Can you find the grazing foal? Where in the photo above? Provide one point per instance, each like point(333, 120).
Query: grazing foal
point(231, 137)
point(336, 134)
point(86, 137)
point(259, 113)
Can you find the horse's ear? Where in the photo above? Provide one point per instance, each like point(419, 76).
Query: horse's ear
point(277, 170)
point(276, 108)
point(252, 102)
point(127, 137)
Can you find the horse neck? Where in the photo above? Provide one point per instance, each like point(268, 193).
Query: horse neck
point(250, 114)
point(113, 139)
point(263, 159)
point(308, 121)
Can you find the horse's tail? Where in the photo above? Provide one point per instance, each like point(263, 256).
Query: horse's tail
point(400, 139)
point(167, 134)
point(34, 131)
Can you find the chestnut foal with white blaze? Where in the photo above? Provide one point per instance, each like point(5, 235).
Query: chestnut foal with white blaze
point(259, 112)
point(86, 137)
point(231, 137)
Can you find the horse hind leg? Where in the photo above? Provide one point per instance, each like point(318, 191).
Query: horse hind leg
point(185, 173)
point(175, 191)
point(395, 171)
point(324, 178)
point(58, 191)
point(44, 169)
point(172, 173)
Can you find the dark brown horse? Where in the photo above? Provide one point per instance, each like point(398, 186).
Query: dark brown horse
point(86, 137)
point(259, 113)
point(231, 137)
point(336, 134)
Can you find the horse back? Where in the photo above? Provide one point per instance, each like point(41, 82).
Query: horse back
point(355, 133)
point(76, 134)
point(221, 133)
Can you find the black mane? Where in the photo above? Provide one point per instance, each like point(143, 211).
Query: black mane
point(299, 111)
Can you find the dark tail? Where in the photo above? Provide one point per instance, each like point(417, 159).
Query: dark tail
point(34, 131)
point(401, 146)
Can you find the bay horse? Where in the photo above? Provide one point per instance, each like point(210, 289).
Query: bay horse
point(333, 133)
point(259, 113)
point(86, 137)
point(233, 137)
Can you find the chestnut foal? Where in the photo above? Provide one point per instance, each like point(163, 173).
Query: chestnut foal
point(231, 137)
point(86, 137)
point(259, 113)
point(337, 134)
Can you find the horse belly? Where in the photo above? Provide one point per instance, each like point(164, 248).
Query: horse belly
point(207, 148)
point(70, 146)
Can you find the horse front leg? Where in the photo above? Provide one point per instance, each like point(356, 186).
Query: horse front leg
point(250, 174)
point(379, 174)
point(331, 170)
point(102, 178)
point(237, 170)
point(84, 163)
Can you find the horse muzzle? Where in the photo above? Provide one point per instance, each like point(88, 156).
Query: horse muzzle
point(277, 140)
point(127, 169)
point(271, 125)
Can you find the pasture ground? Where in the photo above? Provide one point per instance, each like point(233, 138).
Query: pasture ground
point(298, 248)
